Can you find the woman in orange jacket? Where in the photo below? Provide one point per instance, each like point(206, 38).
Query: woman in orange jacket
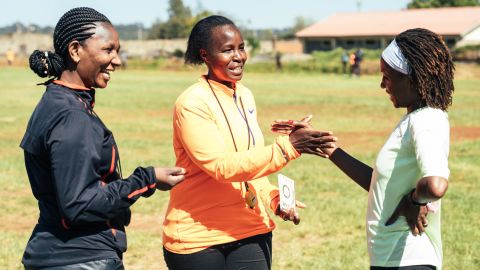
point(217, 218)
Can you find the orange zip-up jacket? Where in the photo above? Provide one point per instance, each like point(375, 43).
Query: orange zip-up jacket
point(208, 208)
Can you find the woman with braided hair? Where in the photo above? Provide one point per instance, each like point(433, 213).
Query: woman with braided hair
point(411, 170)
point(71, 157)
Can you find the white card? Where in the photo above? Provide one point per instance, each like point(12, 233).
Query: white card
point(286, 187)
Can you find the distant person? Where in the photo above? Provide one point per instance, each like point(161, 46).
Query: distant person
point(411, 172)
point(10, 55)
point(358, 62)
point(217, 219)
point(353, 64)
point(278, 61)
point(72, 159)
point(344, 60)
point(124, 59)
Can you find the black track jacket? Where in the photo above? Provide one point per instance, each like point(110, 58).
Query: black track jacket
point(72, 163)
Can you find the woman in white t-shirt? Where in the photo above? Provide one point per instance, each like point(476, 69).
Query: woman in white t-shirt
point(410, 174)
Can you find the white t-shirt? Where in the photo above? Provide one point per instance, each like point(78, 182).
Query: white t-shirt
point(417, 147)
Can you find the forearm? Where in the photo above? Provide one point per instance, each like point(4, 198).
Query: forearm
point(429, 189)
point(96, 202)
point(353, 168)
point(247, 165)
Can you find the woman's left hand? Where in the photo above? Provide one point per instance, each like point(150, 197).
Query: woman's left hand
point(415, 215)
point(291, 215)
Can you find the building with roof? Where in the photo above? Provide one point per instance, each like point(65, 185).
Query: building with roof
point(375, 30)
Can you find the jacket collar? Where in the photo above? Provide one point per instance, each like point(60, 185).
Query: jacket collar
point(216, 86)
point(87, 94)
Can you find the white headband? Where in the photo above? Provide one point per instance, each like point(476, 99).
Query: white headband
point(393, 56)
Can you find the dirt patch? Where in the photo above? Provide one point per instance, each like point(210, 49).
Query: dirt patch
point(375, 139)
point(150, 223)
point(364, 140)
point(18, 223)
point(465, 133)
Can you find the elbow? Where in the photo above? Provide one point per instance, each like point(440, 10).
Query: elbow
point(222, 178)
point(69, 219)
point(224, 174)
point(437, 188)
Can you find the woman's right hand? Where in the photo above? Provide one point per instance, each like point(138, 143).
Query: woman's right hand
point(169, 177)
point(304, 138)
point(309, 141)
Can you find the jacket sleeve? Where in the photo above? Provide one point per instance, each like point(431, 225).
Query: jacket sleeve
point(204, 144)
point(75, 148)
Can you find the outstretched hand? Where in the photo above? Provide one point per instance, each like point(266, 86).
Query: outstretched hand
point(304, 138)
point(169, 177)
point(309, 141)
point(415, 215)
point(291, 215)
point(287, 126)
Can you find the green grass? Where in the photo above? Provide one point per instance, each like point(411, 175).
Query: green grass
point(137, 108)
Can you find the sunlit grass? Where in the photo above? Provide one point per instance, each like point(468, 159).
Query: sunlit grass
point(137, 108)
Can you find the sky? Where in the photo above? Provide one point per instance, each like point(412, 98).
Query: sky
point(255, 14)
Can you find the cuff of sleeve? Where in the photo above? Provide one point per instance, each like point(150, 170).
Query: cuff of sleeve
point(441, 173)
point(289, 152)
point(274, 200)
point(151, 182)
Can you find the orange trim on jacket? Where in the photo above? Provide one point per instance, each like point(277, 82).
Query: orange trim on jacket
point(208, 207)
point(72, 85)
point(141, 191)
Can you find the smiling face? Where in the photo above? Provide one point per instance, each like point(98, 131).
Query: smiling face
point(98, 56)
point(398, 86)
point(226, 56)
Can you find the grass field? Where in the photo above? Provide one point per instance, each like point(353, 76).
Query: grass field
point(137, 107)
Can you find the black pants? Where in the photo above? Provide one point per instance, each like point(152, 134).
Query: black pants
point(410, 267)
point(251, 253)
point(107, 264)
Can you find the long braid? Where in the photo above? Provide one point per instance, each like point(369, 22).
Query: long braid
point(431, 65)
point(75, 24)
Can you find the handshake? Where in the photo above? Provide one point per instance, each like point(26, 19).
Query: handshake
point(304, 138)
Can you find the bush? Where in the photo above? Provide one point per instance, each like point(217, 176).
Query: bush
point(178, 53)
point(321, 62)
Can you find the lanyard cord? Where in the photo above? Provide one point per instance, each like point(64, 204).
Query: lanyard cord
point(224, 115)
point(228, 123)
point(244, 116)
point(119, 164)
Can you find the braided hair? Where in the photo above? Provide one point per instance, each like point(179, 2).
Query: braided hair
point(201, 37)
point(431, 66)
point(76, 24)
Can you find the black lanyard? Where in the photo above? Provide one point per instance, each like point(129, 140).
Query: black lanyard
point(250, 199)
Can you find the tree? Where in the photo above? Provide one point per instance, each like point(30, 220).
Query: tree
point(178, 24)
point(180, 21)
point(300, 23)
point(441, 3)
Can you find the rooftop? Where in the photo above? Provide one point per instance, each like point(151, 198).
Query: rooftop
point(444, 21)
